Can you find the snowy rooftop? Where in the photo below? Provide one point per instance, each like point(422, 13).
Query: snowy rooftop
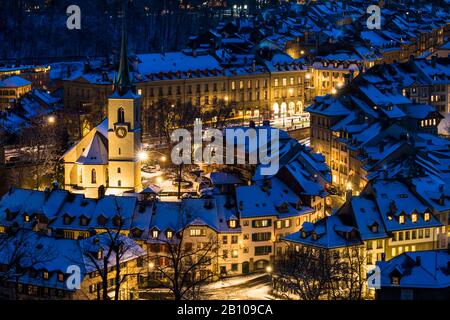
point(421, 269)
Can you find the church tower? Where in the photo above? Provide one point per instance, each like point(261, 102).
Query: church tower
point(124, 129)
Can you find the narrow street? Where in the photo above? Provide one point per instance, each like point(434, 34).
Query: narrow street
point(255, 287)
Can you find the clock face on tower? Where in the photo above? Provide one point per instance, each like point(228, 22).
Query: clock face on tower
point(121, 132)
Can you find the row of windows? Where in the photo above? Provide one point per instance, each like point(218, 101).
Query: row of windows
point(234, 254)
point(411, 235)
point(234, 239)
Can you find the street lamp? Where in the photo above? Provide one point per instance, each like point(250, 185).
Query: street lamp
point(51, 119)
point(269, 269)
point(142, 156)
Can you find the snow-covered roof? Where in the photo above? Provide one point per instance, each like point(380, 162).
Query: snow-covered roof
point(420, 269)
point(96, 152)
point(14, 82)
point(155, 63)
point(329, 232)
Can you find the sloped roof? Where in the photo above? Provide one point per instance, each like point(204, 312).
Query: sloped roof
point(96, 152)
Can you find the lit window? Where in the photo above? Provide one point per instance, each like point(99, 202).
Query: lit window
point(61, 277)
point(279, 224)
point(235, 254)
point(197, 232)
point(414, 217)
point(426, 216)
point(155, 234)
point(401, 219)
point(45, 275)
point(169, 234)
point(287, 223)
point(232, 223)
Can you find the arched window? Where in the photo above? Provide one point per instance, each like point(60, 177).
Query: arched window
point(120, 115)
point(93, 176)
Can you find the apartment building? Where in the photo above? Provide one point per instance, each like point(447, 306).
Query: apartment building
point(67, 269)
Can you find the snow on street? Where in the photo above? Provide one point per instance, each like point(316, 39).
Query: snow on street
point(252, 287)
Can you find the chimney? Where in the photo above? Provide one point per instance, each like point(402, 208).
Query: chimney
point(418, 261)
point(347, 80)
point(433, 61)
point(47, 193)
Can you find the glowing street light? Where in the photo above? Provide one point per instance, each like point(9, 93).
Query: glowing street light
point(225, 98)
point(349, 186)
point(51, 119)
point(333, 91)
point(269, 269)
point(308, 76)
point(163, 159)
point(151, 265)
point(159, 180)
point(142, 156)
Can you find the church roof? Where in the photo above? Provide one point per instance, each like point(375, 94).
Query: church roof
point(96, 152)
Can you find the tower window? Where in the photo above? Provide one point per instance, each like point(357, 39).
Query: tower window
point(93, 176)
point(120, 115)
point(119, 183)
point(120, 151)
point(118, 170)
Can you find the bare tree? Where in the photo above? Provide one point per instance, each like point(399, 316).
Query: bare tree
point(184, 267)
point(20, 251)
point(311, 273)
point(106, 254)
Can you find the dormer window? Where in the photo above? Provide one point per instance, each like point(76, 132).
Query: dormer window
point(60, 277)
point(67, 219)
point(45, 275)
point(426, 216)
point(169, 234)
point(395, 280)
point(401, 219)
point(84, 221)
point(232, 224)
point(303, 234)
point(314, 236)
point(414, 217)
point(374, 228)
point(101, 220)
point(137, 233)
point(155, 234)
point(100, 254)
point(26, 218)
point(117, 221)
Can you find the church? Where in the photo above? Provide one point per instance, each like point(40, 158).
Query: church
point(105, 161)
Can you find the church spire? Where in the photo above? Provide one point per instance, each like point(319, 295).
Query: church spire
point(124, 83)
